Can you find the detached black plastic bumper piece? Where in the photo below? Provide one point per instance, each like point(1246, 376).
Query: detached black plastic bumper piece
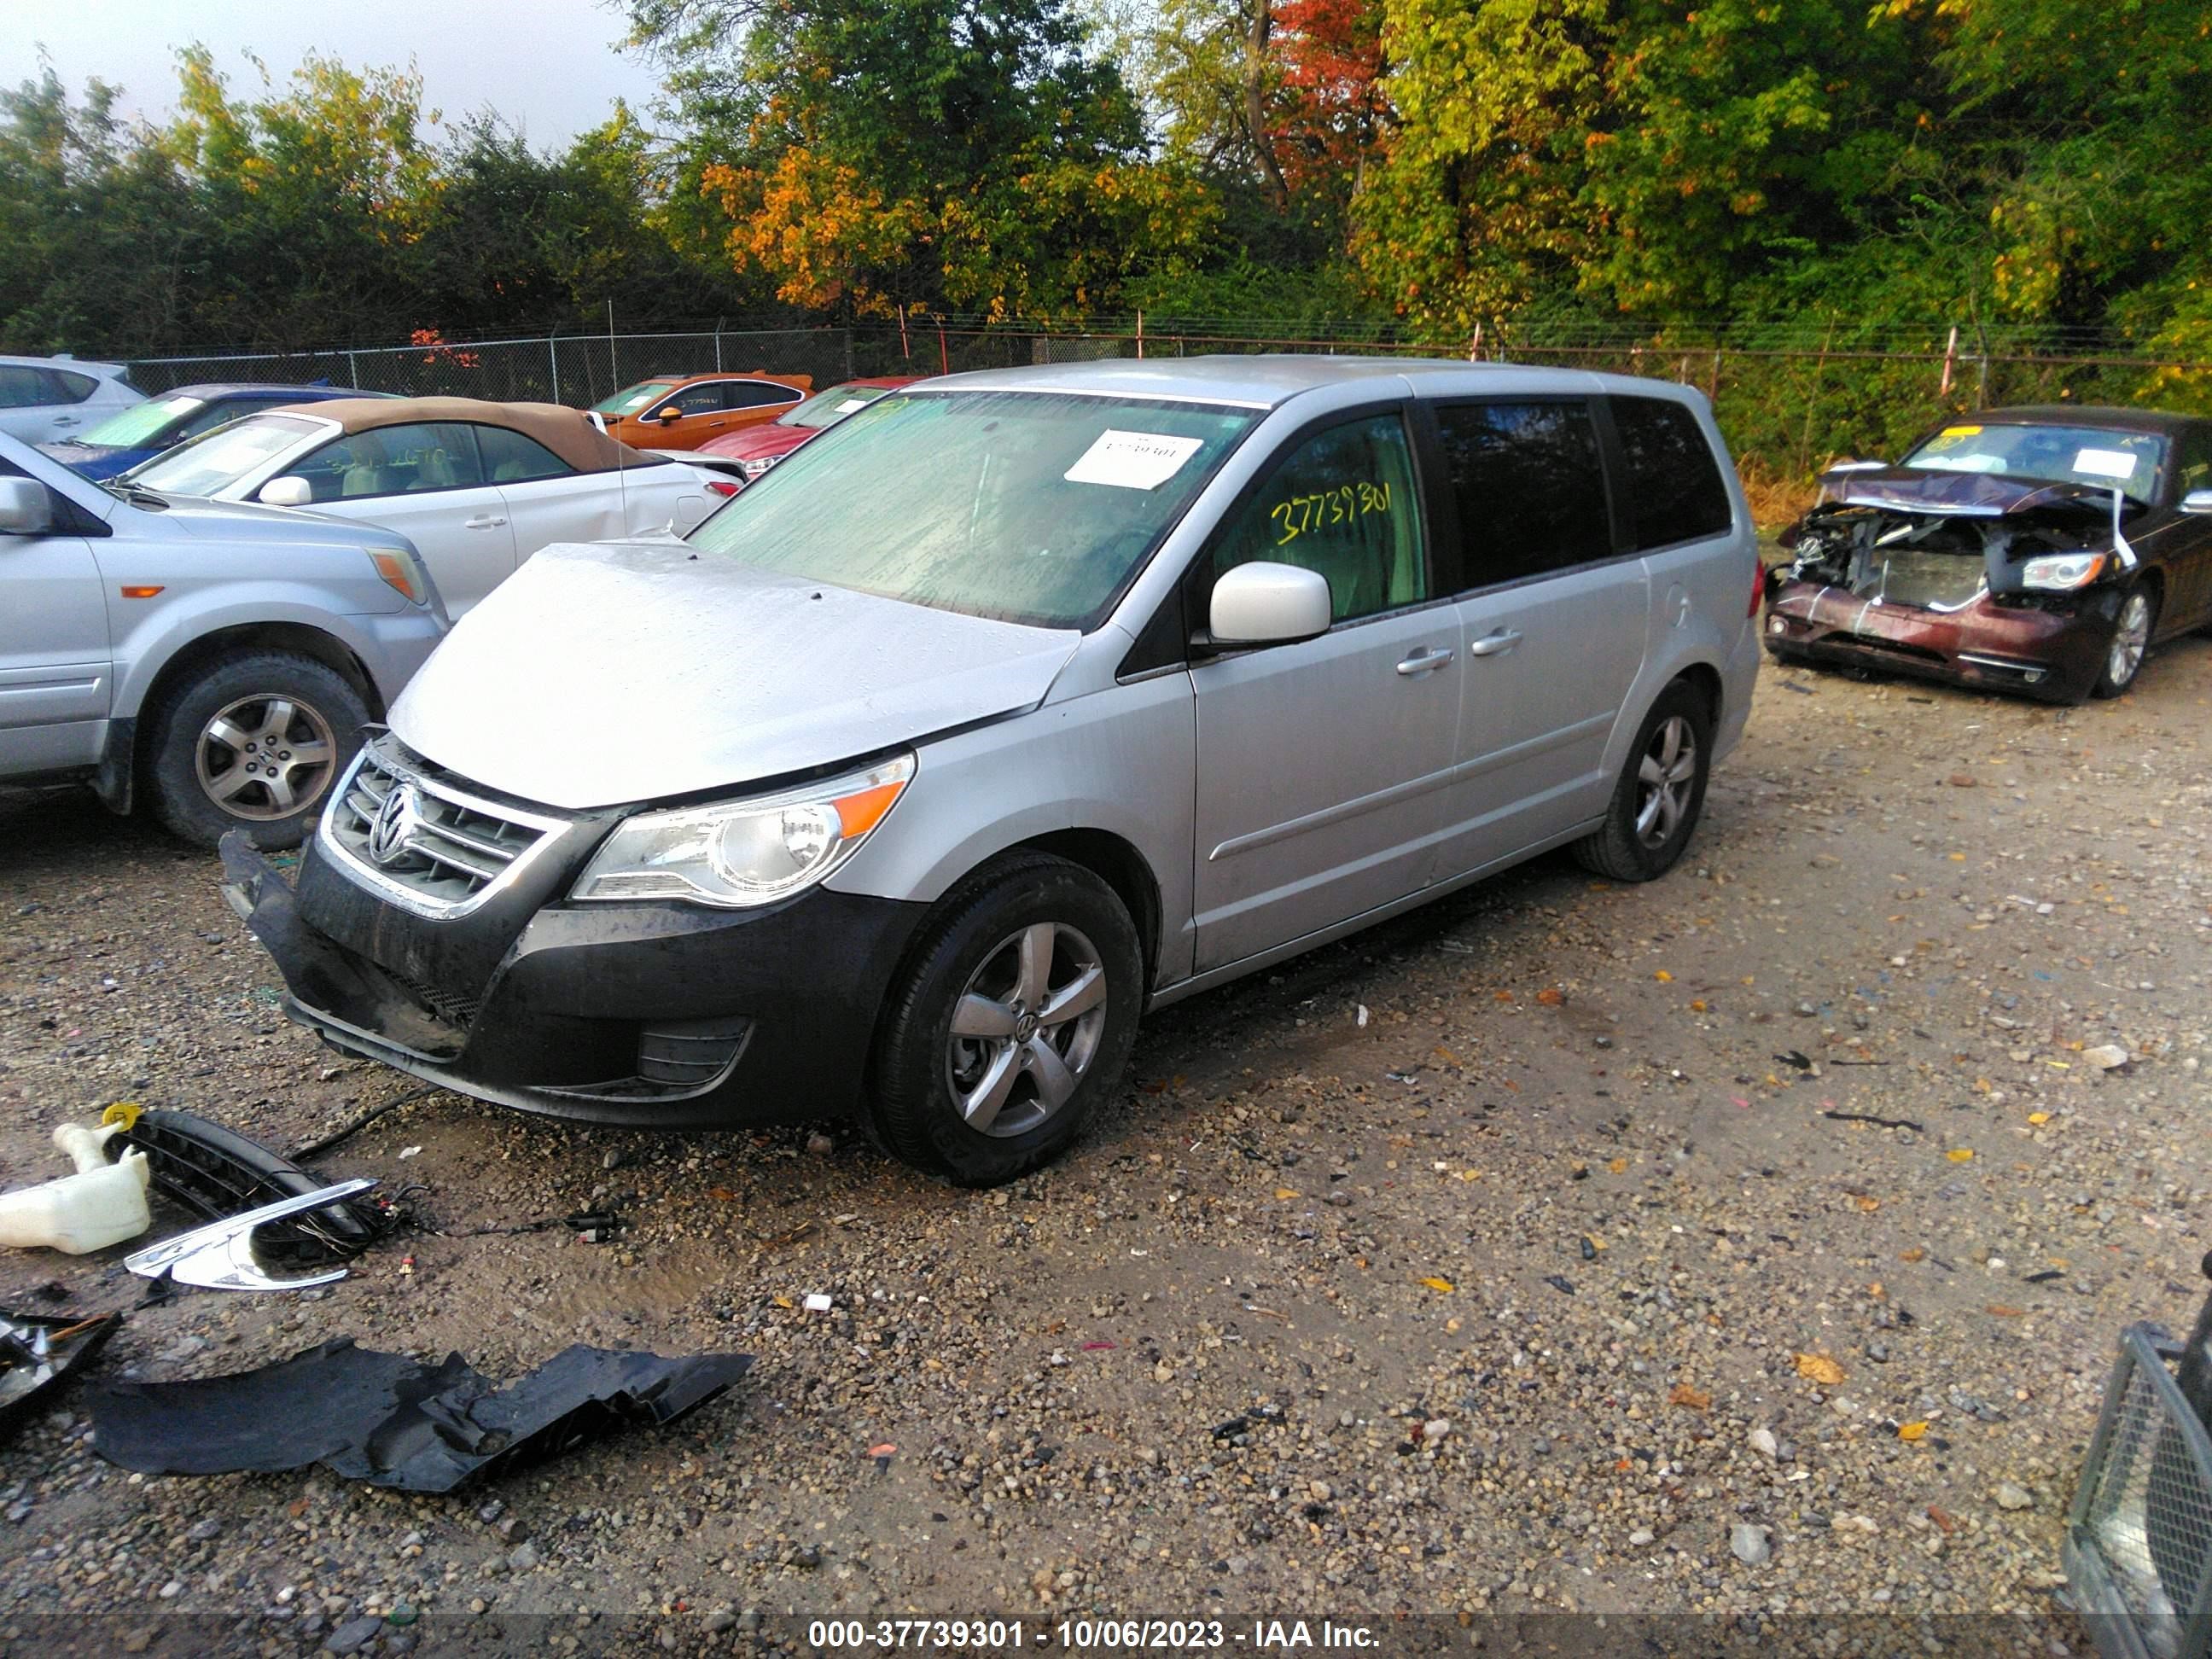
point(649, 1013)
point(394, 1421)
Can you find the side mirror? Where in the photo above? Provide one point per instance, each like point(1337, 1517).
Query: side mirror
point(2197, 501)
point(670, 413)
point(26, 509)
point(290, 490)
point(1266, 604)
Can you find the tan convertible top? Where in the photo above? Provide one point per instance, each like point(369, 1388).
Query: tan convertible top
point(561, 430)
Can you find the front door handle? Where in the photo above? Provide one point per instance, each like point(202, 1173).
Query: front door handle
point(1491, 645)
point(1425, 661)
point(484, 521)
point(66, 420)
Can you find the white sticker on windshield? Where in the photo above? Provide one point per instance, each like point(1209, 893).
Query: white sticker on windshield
point(2105, 463)
point(852, 403)
point(1133, 460)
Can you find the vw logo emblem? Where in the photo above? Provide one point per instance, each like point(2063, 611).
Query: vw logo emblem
point(394, 827)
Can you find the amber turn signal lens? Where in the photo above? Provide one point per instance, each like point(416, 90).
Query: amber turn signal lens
point(399, 572)
point(143, 590)
point(858, 813)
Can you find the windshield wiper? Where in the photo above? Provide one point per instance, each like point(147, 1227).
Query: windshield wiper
point(136, 494)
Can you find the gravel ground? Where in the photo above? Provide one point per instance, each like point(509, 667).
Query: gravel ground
point(1491, 1261)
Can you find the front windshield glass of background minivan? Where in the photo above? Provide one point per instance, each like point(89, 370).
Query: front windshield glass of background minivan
point(1029, 507)
point(205, 465)
point(2095, 455)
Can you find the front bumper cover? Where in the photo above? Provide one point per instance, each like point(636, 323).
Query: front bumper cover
point(2053, 654)
point(649, 1014)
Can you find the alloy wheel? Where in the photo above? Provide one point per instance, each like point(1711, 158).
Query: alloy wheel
point(1665, 777)
point(267, 756)
point(2129, 639)
point(1026, 1029)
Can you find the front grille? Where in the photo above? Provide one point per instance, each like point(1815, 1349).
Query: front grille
point(440, 848)
point(455, 1007)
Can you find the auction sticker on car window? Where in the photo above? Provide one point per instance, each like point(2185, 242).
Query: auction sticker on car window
point(1133, 460)
point(2105, 463)
point(1952, 436)
point(852, 403)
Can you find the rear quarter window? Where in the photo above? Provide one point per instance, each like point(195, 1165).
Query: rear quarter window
point(1674, 490)
point(69, 386)
point(759, 394)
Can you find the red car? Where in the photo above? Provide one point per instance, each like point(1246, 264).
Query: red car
point(2037, 550)
point(760, 447)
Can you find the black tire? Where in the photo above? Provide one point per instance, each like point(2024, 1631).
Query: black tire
point(912, 1110)
point(1619, 849)
point(190, 768)
point(2122, 663)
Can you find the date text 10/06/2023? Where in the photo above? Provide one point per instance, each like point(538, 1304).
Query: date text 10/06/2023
point(1084, 1635)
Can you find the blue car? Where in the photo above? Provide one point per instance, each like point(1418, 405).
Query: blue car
point(144, 430)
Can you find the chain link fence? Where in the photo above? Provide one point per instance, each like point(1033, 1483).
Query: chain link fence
point(577, 369)
point(1785, 409)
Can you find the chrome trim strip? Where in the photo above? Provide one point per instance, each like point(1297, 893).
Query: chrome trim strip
point(398, 893)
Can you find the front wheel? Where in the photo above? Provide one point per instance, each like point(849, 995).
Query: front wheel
point(253, 743)
point(1013, 1019)
point(2123, 657)
point(1660, 793)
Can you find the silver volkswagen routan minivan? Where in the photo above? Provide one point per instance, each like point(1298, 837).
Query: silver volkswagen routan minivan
point(1010, 706)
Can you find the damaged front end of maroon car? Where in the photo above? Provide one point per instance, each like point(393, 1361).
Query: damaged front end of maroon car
point(2009, 583)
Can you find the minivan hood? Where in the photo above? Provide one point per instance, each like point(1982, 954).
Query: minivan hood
point(623, 672)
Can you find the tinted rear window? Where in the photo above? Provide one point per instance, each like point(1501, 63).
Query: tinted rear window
point(1674, 489)
point(1531, 489)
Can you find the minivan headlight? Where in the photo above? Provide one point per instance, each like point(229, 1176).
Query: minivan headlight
point(743, 853)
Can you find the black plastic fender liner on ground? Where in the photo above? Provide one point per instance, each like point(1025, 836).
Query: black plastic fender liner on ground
point(394, 1421)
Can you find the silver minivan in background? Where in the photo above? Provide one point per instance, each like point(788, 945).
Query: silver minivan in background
point(1012, 706)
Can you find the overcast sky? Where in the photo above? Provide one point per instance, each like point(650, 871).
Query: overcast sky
point(548, 66)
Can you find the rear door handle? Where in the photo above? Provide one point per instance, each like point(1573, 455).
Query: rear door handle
point(1491, 645)
point(1425, 661)
point(484, 521)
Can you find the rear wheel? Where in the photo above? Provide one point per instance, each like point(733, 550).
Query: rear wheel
point(1660, 794)
point(1013, 1019)
point(253, 743)
point(2131, 631)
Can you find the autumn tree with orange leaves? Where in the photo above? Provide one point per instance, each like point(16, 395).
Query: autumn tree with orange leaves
point(964, 155)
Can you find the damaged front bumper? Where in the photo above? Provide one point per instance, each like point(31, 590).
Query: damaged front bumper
point(649, 1014)
point(2048, 653)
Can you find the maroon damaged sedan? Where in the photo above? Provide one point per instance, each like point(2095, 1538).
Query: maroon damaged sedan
point(2043, 550)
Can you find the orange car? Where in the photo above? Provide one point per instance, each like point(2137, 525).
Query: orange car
point(682, 411)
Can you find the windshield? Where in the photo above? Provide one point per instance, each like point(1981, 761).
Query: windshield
point(137, 426)
point(827, 408)
point(207, 464)
point(1029, 506)
point(2130, 462)
point(633, 398)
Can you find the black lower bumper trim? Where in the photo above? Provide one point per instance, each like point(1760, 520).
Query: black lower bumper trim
point(657, 1015)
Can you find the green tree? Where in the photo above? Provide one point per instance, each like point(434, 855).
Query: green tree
point(969, 154)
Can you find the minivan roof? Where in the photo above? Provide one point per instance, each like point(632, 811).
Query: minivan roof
point(1262, 381)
